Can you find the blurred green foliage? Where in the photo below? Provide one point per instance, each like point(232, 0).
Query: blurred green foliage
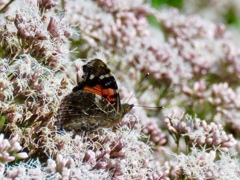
point(230, 17)
point(174, 3)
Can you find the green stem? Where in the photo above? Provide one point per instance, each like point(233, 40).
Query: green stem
point(5, 7)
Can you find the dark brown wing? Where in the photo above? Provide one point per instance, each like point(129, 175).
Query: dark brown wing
point(99, 80)
point(84, 111)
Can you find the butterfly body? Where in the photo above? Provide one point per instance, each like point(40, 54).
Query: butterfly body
point(94, 102)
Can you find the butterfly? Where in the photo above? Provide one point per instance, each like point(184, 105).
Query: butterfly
point(94, 102)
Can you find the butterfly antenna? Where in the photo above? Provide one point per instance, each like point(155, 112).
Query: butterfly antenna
point(140, 84)
point(149, 107)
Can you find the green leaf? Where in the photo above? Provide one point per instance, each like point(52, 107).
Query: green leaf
point(2, 122)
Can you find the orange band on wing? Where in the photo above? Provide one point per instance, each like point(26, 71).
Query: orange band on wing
point(95, 90)
point(102, 92)
point(108, 93)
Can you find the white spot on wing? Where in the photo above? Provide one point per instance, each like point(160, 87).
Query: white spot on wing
point(92, 77)
point(105, 76)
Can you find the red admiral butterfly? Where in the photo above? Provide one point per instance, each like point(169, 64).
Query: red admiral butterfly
point(94, 102)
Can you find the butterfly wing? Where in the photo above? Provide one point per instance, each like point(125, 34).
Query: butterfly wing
point(99, 80)
point(85, 111)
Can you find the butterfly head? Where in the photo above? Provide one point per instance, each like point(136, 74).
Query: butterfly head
point(126, 108)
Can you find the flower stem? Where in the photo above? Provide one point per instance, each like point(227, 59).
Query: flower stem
point(6, 6)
